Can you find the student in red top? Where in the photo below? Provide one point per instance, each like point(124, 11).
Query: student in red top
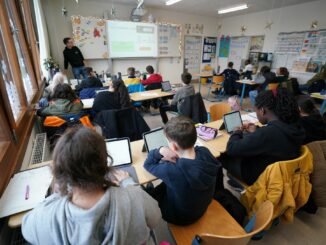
point(153, 77)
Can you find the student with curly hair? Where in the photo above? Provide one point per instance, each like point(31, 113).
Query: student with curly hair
point(251, 149)
point(93, 203)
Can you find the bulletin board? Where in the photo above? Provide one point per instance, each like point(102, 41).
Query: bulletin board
point(192, 53)
point(90, 36)
point(239, 50)
point(169, 40)
point(209, 49)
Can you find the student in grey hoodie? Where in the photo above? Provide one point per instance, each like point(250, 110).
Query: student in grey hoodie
point(94, 204)
point(187, 90)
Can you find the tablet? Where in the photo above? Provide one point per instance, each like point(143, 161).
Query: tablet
point(155, 139)
point(166, 86)
point(231, 121)
point(119, 150)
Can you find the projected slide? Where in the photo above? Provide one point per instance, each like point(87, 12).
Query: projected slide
point(132, 39)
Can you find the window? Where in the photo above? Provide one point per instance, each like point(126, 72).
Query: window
point(18, 89)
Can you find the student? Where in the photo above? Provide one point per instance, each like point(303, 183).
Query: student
point(92, 204)
point(117, 97)
point(64, 101)
point(282, 75)
point(248, 155)
point(187, 90)
point(247, 72)
point(90, 82)
point(73, 56)
point(58, 78)
point(188, 173)
point(153, 78)
point(230, 77)
point(132, 79)
point(268, 77)
point(311, 120)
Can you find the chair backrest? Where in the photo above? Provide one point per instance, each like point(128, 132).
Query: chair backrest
point(263, 218)
point(154, 86)
point(218, 79)
point(218, 110)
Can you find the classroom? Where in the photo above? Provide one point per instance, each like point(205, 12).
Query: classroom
point(166, 122)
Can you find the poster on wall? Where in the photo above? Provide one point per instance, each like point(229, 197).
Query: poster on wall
point(289, 42)
point(90, 36)
point(169, 40)
point(301, 64)
point(239, 50)
point(192, 51)
point(257, 44)
point(209, 49)
point(224, 46)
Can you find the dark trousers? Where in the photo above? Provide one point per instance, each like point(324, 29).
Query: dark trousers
point(165, 108)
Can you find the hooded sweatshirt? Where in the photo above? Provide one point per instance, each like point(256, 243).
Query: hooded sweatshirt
point(122, 216)
point(60, 107)
point(278, 141)
point(190, 184)
point(73, 56)
point(90, 82)
point(153, 78)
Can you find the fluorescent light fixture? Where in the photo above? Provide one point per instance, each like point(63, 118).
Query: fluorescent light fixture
point(233, 9)
point(170, 2)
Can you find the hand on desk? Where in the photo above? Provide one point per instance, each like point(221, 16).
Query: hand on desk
point(247, 127)
point(117, 176)
point(168, 154)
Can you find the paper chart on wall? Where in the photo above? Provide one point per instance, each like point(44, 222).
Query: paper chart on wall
point(192, 51)
point(289, 42)
point(169, 40)
point(239, 49)
point(90, 37)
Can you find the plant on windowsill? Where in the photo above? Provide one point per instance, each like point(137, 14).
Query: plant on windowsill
point(51, 66)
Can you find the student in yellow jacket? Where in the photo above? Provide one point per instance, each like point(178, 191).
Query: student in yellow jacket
point(132, 79)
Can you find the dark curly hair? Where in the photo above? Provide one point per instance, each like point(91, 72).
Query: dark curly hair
point(64, 91)
point(80, 160)
point(281, 102)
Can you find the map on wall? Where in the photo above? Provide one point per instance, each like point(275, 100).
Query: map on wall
point(90, 37)
point(224, 46)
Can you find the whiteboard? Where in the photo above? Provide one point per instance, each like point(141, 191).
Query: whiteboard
point(239, 50)
point(169, 40)
point(90, 37)
point(132, 39)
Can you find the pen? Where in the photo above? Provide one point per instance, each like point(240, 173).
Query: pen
point(27, 192)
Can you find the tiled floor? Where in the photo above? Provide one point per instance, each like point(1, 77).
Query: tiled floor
point(307, 229)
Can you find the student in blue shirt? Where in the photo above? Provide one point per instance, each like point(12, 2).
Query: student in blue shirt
point(188, 173)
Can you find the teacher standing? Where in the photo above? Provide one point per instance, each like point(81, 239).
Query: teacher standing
point(73, 56)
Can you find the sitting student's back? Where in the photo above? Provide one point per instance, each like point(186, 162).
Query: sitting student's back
point(132, 79)
point(90, 208)
point(311, 120)
point(90, 82)
point(189, 176)
point(64, 101)
point(281, 139)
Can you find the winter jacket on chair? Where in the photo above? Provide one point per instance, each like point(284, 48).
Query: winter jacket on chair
point(194, 108)
point(286, 184)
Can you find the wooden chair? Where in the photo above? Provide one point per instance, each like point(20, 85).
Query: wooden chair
point(214, 228)
point(218, 110)
point(216, 83)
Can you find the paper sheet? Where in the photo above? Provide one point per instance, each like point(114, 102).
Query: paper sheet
point(148, 94)
point(250, 117)
point(14, 199)
point(88, 103)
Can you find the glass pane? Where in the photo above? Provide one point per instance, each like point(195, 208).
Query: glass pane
point(24, 73)
point(10, 86)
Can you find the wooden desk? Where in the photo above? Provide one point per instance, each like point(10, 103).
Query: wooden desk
point(321, 97)
point(202, 75)
point(244, 83)
point(149, 95)
point(224, 225)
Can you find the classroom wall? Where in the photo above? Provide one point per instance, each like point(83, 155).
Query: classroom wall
point(59, 27)
point(292, 18)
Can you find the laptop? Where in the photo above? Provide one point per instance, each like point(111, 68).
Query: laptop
point(155, 139)
point(231, 121)
point(166, 86)
point(120, 152)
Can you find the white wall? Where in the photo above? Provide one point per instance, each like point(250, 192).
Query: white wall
point(292, 18)
point(60, 27)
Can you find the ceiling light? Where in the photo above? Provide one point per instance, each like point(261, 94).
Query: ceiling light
point(170, 2)
point(233, 9)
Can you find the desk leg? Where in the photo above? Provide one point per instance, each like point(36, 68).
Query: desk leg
point(323, 107)
point(199, 85)
point(242, 93)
